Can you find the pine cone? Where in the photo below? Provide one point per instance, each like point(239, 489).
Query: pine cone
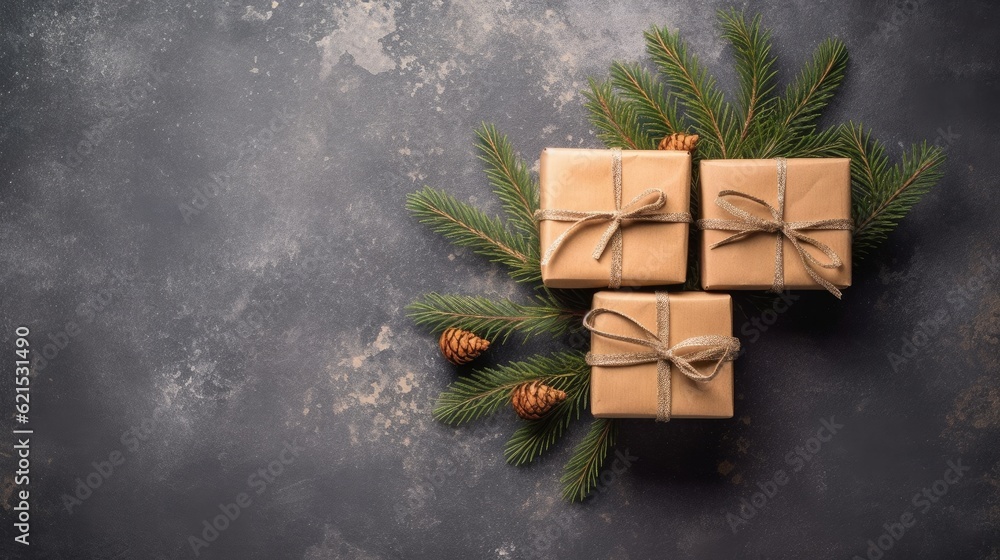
point(679, 141)
point(461, 347)
point(533, 400)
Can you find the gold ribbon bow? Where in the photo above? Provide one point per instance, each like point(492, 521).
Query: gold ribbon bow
point(634, 211)
point(714, 347)
point(747, 224)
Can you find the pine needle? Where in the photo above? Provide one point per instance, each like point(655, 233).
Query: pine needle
point(796, 113)
point(755, 68)
point(822, 144)
point(705, 105)
point(883, 194)
point(616, 120)
point(517, 190)
point(488, 389)
point(467, 226)
point(809, 94)
point(580, 474)
point(492, 319)
point(657, 116)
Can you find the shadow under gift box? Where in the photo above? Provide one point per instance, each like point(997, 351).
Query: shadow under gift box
point(816, 189)
point(631, 391)
point(581, 179)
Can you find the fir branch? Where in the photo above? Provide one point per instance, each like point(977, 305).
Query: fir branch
point(754, 66)
point(690, 82)
point(488, 389)
point(573, 300)
point(517, 190)
point(805, 98)
point(644, 92)
point(580, 473)
point(814, 145)
point(536, 436)
point(491, 319)
point(467, 226)
point(615, 119)
point(869, 164)
point(882, 195)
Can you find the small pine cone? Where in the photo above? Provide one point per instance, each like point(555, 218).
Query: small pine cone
point(461, 347)
point(533, 400)
point(679, 141)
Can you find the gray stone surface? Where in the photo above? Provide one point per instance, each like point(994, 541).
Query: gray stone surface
point(273, 313)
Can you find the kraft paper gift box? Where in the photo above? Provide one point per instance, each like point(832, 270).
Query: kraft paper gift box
point(634, 391)
point(816, 211)
point(578, 205)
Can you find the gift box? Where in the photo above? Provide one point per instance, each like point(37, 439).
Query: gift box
point(776, 224)
point(660, 355)
point(610, 217)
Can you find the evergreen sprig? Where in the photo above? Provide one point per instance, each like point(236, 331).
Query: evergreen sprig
point(703, 103)
point(514, 243)
point(755, 68)
point(534, 437)
point(633, 109)
point(615, 118)
point(656, 114)
point(796, 113)
point(884, 193)
point(487, 389)
point(580, 474)
point(467, 226)
point(512, 183)
point(493, 319)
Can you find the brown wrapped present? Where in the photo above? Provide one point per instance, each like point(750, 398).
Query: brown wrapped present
point(776, 224)
point(613, 218)
point(659, 355)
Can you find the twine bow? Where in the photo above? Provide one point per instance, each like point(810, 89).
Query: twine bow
point(716, 348)
point(747, 224)
point(634, 211)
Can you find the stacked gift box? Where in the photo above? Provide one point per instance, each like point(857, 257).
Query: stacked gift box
point(613, 218)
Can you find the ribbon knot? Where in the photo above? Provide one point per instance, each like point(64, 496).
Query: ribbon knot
point(713, 348)
point(621, 216)
point(664, 352)
point(746, 224)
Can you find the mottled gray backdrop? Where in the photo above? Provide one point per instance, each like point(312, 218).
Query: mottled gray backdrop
point(202, 224)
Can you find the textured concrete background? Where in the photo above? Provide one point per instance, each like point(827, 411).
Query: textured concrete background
point(209, 331)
